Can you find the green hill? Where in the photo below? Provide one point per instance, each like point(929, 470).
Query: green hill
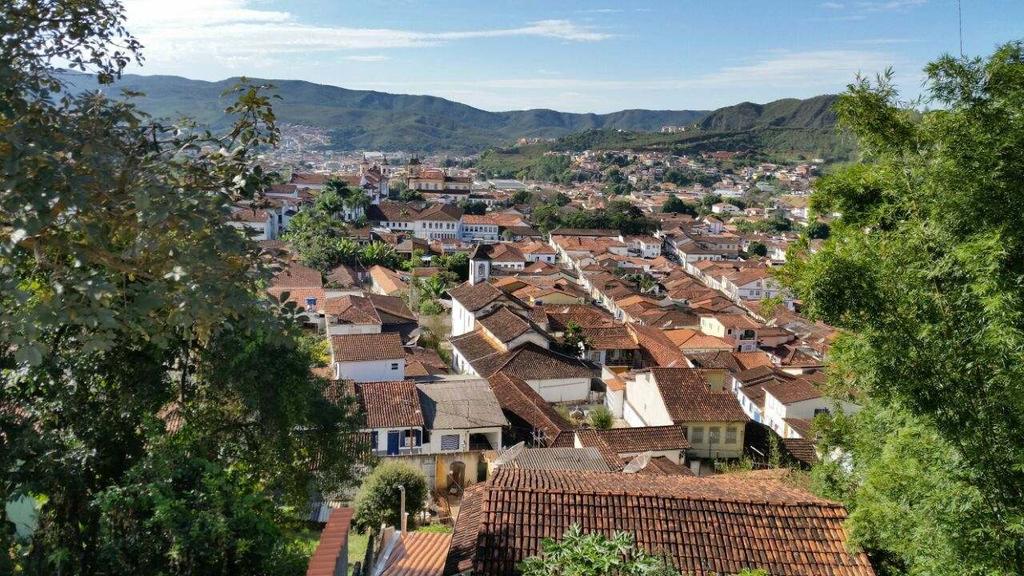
point(364, 119)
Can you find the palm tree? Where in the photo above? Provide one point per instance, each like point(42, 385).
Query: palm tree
point(433, 287)
point(380, 253)
point(347, 251)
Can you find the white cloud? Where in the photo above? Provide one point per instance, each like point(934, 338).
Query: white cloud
point(234, 32)
point(368, 58)
point(832, 5)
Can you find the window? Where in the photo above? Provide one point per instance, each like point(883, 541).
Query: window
point(394, 365)
point(449, 442)
point(697, 434)
point(730, 435)
point(714, 435)
point(373, 440)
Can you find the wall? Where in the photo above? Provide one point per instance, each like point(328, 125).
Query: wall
point(463, 320)
point(342, 329)
point(705, 449)
point(372, 370)
point(644, 400)
point(561, 389)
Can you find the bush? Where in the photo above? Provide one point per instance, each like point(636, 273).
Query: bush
point(601, 418)
point(379, 500)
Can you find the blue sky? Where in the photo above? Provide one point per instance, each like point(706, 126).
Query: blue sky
point(568, 55)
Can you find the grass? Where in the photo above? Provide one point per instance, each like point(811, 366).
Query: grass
point(356, 547)
point(435, 529)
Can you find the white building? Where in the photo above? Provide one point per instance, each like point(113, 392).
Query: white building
point(368, 357)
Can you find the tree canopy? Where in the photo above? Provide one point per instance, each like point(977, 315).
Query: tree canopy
point(157, 409)
point(922, 272)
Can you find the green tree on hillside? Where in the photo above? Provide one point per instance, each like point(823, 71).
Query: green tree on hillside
point(675, 205)
point(923, 274)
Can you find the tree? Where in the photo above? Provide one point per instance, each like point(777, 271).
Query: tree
point(574, 341)
point(318, 239)
point(158, 409)
point(817, 230)
point(922, 274)
point(456, 263)
point(594, 554)
point(410, 195)
point(379, 500)
point(757, 249)
point(675, 205)
point(522, 197)
point(546, 217)
point(473, 207)
point(380, 253)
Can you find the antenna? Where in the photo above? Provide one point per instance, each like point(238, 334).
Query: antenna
point(960, 23)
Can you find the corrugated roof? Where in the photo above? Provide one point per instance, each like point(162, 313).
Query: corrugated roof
point(418, 554)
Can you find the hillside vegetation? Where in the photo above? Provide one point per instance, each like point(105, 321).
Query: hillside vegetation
point(362, 119)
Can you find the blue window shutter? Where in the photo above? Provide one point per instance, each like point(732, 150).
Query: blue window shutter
point(417, 437)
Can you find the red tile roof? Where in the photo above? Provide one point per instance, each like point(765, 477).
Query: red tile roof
point(333, 544)
point(644, 438)
point(418, 554)
point(518, 398)
point(688, 397)
point(475, 296)
point(702, 525)
point(390, 404)
point(366, 347)
point(504, 324)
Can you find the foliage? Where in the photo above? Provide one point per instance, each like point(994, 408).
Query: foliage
point(593, 554)
point(817, 230)
point(410, 195)
point(601, 418)
point(156, 403)
point(319, 239)
point(675, 205)
point(574, 341)
point(922, 272)
point(456, 263)
point(618, 215)
point(430, 307)
point(768, 226)
point(757, 249)
point(686, 177)
point(380, 253)
point(546, 217)
point(378, 501)
point(521, 197)
point(473, 207)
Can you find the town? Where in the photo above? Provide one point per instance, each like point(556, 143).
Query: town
point(480, 336)
point(511, 288)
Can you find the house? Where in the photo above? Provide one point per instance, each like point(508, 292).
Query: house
point(697, 400)
point(386, 281)
point(368, 357)
point(368, 314)
point(720, 524)
point(737, 329)
point(304, 287)
point(257, 223)
point(482, 228)
point(750, 284)
point(425, 221)
point(798, 399)
point(531, 418)
point(644, 246)
point(724, 208)
point(613, 345)
point(441, 427)
point(470, 300)
point(554, 376)
point(627, 443)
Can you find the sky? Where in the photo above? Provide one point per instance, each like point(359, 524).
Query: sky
point(573, 56)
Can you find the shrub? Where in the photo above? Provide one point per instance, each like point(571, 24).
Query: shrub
point(379, 501)
point(601, 418)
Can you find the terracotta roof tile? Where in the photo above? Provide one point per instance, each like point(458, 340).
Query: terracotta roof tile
point(688, 397)
point(333, 539)
point(418, 554)
point(518, 398)
point(475, 296)
point(644, 439)
point(702, 525)
point(366, 347)
point(390, 404)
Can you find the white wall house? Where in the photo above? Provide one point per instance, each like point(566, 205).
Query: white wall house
point(368, 357)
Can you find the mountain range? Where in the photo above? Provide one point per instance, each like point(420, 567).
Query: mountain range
point(370, 120)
